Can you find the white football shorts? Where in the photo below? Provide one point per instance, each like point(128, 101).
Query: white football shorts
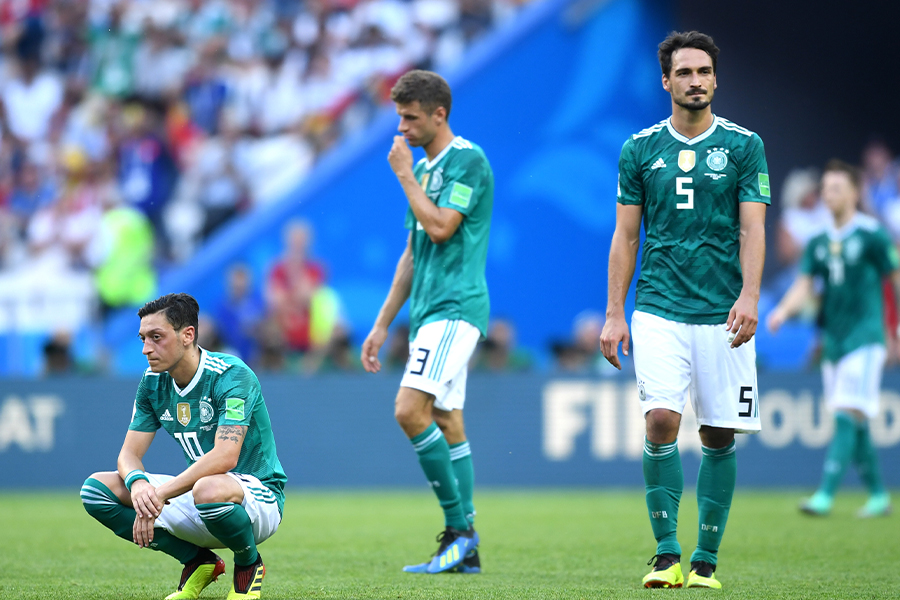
point(674, 360)
point(439, 362)
point(854, 381)
point(180, 517)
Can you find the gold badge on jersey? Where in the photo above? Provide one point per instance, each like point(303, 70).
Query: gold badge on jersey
point(835, 247)
point(425, 181)
point(184, 413)
point(686, 160)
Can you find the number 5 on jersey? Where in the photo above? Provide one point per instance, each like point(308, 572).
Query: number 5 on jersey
point(680, 182)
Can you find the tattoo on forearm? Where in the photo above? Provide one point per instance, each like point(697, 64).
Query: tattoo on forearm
point(235, 433)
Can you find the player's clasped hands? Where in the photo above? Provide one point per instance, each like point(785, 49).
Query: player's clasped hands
point(147, 506)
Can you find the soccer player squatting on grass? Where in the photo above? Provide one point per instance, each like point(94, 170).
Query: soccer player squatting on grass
point(850, 259)
point(450, 194)
point(231, 495)
point(700, 184)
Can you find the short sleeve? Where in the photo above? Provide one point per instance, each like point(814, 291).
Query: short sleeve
point(237, 393)
point(462, 188)
point(753, 177)
point(142, 416)
point(885, 253)
point(808, 259)
point(630, 189)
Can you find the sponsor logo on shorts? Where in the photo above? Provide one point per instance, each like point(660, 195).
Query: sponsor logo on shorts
point(642, 393)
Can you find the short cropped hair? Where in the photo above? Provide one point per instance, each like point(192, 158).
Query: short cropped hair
point(836, 165)
point(429, 89)
point(181, 311)
point(677, 40)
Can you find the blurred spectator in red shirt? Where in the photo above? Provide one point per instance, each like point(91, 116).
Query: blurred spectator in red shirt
point(291, 285)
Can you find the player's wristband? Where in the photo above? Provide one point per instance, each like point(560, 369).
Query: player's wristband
point(134, 476)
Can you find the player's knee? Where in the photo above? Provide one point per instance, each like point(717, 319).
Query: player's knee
point(716, 437)
point(662, 426)
point(208, 490)
point(99, 491)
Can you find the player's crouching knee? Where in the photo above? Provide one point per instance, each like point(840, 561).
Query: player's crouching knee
point(211, 489)
point(97, 492)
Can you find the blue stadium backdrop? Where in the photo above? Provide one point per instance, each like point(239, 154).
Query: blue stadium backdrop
point(551, 99)
point(338, 431)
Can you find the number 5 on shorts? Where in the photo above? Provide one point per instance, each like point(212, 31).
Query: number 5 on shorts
point(746, 397)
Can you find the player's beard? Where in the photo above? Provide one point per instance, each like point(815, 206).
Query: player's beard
point(696, 102)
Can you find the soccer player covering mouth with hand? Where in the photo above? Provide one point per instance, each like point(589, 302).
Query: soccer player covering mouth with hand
point(450, 194)
point(700, 185)
point(231, 494)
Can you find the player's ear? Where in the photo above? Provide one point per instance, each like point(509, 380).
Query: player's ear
point(665, 82)
point(441, 113)
point(189, 335)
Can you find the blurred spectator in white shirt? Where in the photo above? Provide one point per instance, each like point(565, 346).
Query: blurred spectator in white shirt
point(803, 215)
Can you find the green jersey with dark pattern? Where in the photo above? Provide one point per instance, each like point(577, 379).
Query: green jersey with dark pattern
point(224, 391)
point(851, 263)
point(448, 279)
point(690, 190)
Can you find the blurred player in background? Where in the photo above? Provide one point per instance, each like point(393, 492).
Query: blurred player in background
point(850, 259)
point(700, 183)
point(451, 196)
point(231, 495)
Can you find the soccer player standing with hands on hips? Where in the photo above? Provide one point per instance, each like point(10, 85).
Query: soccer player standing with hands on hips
point(231, 494)
point(700, 184)
point(450, 194)
point(850, 259)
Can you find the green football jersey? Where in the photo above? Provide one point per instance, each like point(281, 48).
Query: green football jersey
point(690, 190)
point(224, 391)
point(851, 263)
point(448, 279)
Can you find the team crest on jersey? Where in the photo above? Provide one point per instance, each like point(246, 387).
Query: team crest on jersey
point(686, 160)
point(206, 411)
point(853, 249)
point(437, 179)
point(184, 413)
point(717, 159)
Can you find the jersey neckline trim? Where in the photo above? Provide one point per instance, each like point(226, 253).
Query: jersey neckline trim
point(441, 154)
point(859, 221)
point(196, 378)
point(693, 140)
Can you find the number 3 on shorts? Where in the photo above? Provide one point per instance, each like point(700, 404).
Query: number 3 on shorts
point(417, 360)
point(746, 397)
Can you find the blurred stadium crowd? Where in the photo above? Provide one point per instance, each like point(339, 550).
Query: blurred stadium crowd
point(133, 129)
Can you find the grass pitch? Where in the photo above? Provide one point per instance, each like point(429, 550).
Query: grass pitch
point(535, 544)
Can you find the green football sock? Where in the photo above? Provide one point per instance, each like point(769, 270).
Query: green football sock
point(103, 505)
point(434, 456)
point(230, 524)
point(664, 482)
point(866, 459)
point(715, 488)
point(461, 457)
point(839, 453)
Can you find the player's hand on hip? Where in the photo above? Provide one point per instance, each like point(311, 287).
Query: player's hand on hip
point(144, 499)
point(742, 320)
point(370, 348)
point(400, 157)
point(615, 331)
point(143, 530)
